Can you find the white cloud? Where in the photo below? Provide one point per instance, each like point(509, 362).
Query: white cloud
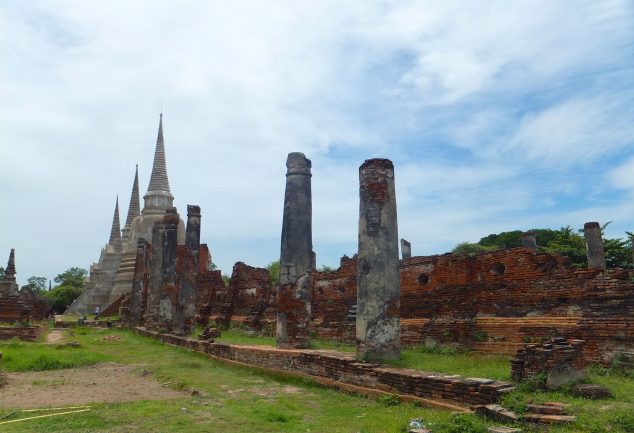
point(480, 106)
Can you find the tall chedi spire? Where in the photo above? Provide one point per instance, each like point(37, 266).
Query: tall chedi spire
point(134, 209)
point(9, 272)
point(115, 231)
point(158, 197)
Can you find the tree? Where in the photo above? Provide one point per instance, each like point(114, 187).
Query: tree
point(62, 296)
point(1, 272)
point(325, 268)
point(470, 248)
point(568, 242)
point(37, 284)
point(274, 272)
point(72, 277)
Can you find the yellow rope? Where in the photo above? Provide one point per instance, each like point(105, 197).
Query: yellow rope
point(44, 416)
point(55, 408)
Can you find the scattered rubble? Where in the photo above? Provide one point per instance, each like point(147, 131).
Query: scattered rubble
point(109, 338)
point(545, 413)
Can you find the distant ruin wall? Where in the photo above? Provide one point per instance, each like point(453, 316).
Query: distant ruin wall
point(492, 302)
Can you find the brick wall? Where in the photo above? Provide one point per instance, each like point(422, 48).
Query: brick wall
point(27, 333)
point(493, 302)
point(247, 295)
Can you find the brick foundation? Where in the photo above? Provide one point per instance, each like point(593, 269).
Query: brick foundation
point(27, 333)
point(344, 369)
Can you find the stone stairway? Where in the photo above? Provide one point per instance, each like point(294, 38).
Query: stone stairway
point(125, 275)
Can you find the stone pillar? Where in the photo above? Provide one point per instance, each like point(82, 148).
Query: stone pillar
point(378, 278)
point(406, 249)
point(156, 275)
point(168, 298)
point(188, 272)
point(297, 257)
point(594, 245)
point(139, 282)
point(529, 241)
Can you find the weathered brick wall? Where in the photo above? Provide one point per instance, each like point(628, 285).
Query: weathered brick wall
point(334, 298)
point(38, 305)
point(493, 302)
point(535, 359)
point(12, 307)
point(344, 368)
point(27, 333)
point(209, 283)
point(250, 290)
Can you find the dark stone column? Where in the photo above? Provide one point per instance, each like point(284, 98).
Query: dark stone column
point(169, 297)
point(156, 275)
point(378, 278)
point(406, 249)
point(529, 241)
point(594, 245)
point(188, 272)
point(297, 257)
point(139, 283)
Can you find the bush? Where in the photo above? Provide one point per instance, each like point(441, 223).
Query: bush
point(389, 400)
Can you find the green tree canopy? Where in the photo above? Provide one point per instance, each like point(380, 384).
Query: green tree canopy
point(72, 277)
point(37, 284)
point(566, 241)
point(470, 248)
point(62, 296)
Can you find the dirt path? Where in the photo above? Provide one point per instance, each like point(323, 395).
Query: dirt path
point(101, 383)
point(55, 336)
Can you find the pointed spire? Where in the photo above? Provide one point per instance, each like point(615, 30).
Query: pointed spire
point(115, 231)
point(134, 209)
point(158, 197)
point(9, 272)
point(158, 179)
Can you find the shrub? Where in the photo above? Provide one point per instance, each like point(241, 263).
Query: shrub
point(389, 400)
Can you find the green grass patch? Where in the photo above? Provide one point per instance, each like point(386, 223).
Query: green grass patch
point(463, 363)
point(241, 399)
point(26, 356)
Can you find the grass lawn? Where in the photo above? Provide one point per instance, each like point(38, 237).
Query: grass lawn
point(236, 399)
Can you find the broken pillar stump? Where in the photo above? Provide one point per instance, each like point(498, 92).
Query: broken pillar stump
point(378, 278)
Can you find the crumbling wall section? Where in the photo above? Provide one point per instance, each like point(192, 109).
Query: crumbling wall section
point(334, 304)
point(494, 302)
point(250, 289)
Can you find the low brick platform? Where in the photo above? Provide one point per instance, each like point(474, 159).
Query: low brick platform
point(28, 333)
point(346, 372)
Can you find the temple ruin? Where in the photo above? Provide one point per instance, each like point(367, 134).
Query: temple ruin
point(110, 278)
point(18, 305)
point(491, 302)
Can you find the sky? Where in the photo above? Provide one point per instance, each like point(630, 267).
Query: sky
point(498, 115)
